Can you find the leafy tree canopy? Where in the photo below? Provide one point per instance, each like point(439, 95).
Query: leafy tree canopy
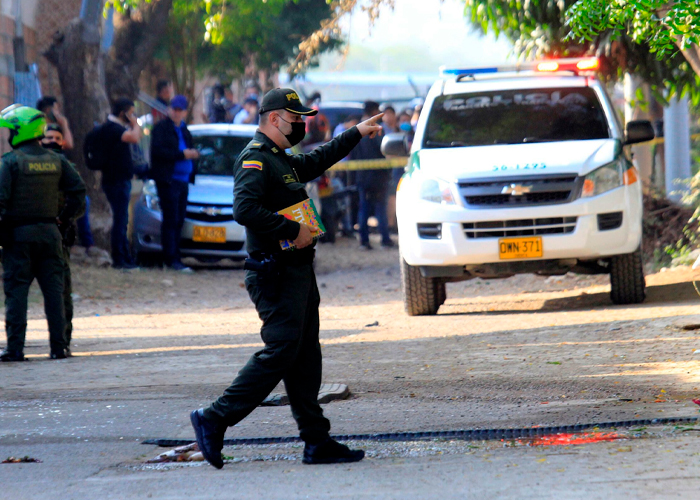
point(669, 30)
point(547, 28)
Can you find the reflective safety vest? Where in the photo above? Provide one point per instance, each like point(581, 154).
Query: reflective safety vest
point(35, 191)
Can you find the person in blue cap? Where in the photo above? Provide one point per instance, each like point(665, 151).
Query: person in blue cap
point(173, 169)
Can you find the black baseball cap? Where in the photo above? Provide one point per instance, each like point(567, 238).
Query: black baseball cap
point(286, 99)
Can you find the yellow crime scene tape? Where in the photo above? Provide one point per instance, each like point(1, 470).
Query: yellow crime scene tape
point(661, 140)
point(370, 164)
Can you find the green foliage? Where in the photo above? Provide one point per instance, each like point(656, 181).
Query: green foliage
point(240, 36)
point(664, 26)
point(550, 28)
point(661, 26)
point(232, 35)
point(124, 5)
point(692, 196)
point(536, 27)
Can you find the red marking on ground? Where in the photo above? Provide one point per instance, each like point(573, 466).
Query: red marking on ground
point(571, 438)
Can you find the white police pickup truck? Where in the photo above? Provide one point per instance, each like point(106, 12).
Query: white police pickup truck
point(519, 170)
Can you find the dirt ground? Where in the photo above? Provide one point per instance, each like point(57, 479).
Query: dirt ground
point(151, 345)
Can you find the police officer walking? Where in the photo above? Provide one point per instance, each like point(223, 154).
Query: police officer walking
point(282, 285)
point(31, 178)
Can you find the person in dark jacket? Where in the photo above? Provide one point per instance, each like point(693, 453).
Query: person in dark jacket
point(372, 185)
point(119, 131)
point(172, 169)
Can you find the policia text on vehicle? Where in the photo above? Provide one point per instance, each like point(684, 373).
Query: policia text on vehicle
point(31, 180)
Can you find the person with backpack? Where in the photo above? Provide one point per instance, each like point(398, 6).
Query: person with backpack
point(107, 149)
point(31, 180)
point(173, 169)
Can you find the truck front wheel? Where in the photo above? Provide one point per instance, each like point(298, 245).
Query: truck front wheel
point(627, 284)
point(422, 296)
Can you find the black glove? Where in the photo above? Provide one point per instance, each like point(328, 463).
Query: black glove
point(68, 233)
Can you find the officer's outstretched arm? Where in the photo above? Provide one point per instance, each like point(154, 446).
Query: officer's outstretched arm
point(311, 165)
point(74, 190)
point(250, 180)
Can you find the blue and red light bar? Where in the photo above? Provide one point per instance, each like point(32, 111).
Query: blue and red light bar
point(572, 64)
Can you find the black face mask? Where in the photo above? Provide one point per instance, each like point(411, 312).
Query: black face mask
point(53, 146)
point(298, 132)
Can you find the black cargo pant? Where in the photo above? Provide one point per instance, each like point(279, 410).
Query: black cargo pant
point(292, 353)
point(34, 252)
point(173, 202)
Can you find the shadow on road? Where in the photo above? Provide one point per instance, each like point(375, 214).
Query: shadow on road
point(674, 294)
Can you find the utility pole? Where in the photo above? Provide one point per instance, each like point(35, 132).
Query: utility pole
point(677, 147)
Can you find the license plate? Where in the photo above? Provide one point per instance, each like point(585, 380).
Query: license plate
point(520, 248)
point(209, 234)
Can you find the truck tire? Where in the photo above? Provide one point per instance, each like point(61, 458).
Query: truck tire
point(422, 296)
point(440, 291)
point(627, 284)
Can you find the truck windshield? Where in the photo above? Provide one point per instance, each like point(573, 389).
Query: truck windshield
point(515, 117)
point(218, 153)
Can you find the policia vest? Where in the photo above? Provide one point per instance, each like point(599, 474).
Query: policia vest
point(36, 189)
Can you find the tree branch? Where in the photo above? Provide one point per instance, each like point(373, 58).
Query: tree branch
point(135, 39)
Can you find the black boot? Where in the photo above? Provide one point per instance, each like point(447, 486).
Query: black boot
point(210, 438)
point(330, 451)
point(12, 356)
point(60, 354)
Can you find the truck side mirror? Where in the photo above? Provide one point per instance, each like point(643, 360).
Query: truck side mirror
point(395, 145)
point(638, 131)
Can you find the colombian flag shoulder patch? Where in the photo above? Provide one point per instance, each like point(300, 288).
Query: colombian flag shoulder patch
point(253, 164)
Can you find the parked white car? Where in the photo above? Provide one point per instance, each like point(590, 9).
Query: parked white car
point(519, 170)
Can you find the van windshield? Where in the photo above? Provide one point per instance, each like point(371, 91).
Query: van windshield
point(516, 117)
point(218, 153)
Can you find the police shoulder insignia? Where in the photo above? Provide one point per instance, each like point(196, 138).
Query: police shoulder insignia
point(257, 165)
point(288, 178)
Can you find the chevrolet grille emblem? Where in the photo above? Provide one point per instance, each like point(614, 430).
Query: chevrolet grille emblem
point(516, 189)
point(211, 211)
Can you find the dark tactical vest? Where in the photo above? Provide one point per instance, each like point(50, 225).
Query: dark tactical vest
point(35, 191)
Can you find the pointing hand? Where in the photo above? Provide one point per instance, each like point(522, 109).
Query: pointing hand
point(370, 127)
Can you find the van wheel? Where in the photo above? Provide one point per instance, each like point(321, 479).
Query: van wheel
point(627, 284)
point(422, 296)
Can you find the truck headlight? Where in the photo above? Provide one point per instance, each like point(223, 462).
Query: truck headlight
point(602, 180)
point(436, 191)
point(150, 196)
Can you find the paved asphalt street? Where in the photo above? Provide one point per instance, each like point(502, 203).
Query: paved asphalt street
point(523, 352)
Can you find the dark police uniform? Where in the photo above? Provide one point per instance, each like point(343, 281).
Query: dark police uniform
point(30, 180)
point(266, 181)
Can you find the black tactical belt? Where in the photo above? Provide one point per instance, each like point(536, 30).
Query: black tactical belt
point(289, 258)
